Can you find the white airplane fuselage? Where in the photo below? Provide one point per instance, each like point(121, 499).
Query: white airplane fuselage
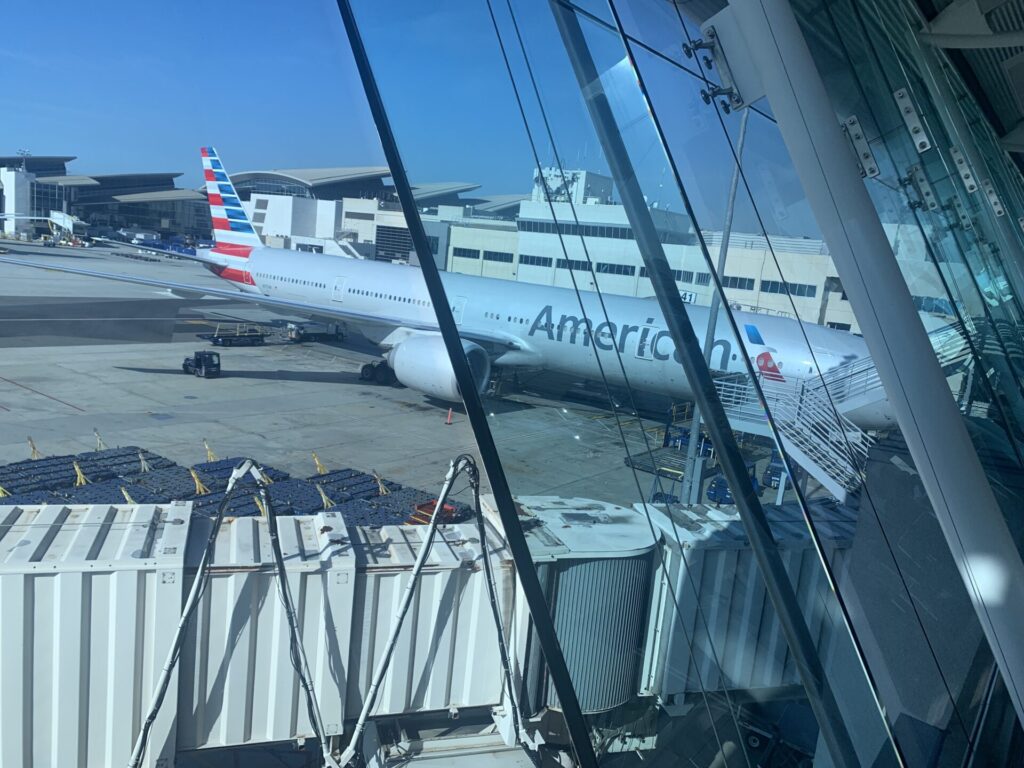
point(546, 323)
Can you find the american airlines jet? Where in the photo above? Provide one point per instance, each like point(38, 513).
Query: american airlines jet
point(501, 323)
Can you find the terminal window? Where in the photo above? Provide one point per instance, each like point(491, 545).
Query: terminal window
point(793, 289)
point(466, 253)
point(677, 274)
point(615, 269)
point(502, 256)
point(535, 261)
point(741, 283)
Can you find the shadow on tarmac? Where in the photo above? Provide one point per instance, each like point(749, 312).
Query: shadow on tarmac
point(318, 377)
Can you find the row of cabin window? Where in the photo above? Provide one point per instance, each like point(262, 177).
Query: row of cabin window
point(293, 280)
point(390, 297)
point(508, 318)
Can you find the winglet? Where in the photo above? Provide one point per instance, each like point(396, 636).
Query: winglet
point(232, 230)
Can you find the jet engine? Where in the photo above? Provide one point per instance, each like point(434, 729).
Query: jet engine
point(421, 362)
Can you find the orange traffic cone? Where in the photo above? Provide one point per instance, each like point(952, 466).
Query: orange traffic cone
point(448, 423)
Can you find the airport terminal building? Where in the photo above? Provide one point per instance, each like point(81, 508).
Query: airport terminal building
point(853, 164)
point(684, 428)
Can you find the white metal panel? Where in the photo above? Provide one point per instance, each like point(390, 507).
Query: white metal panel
point(712, 625)
point(238, 685)
point(89, 597)
point(447, 652)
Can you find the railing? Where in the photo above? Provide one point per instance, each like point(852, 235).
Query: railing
point(845, 382)
point(809, 413)
point(805, 418)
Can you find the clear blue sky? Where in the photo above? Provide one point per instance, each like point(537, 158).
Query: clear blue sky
point(140, 86)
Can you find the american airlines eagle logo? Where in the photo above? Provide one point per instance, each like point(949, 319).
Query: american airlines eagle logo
point(768, 368)
point(765, 363)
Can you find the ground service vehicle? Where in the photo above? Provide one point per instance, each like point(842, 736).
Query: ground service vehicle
point(235, 335)
point(203, 363)
point(719, 492)
point(774, 472)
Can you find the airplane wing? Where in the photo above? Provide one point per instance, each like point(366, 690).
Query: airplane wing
point(504, 342)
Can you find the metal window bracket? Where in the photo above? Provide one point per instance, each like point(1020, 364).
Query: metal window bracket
point(993, 197)
point(964, 169)
point(728, 88)
point(861, 149)
point(924, 188)
point(740, 80)
point(961, 214)
point(912, 120)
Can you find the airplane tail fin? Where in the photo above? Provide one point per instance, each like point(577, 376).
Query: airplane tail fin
point(232, 230)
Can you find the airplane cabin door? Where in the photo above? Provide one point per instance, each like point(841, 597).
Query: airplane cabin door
point(458, 308)
point(338, 291)
point(645, 342)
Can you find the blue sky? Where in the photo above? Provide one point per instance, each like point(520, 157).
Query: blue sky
point(140, 86)
point(131, 87)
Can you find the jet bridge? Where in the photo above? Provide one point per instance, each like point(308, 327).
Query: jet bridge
point(90, 596)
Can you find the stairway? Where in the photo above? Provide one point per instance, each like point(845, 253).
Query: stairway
point(810, 414)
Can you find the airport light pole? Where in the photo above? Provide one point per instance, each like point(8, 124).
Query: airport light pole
point(691, 477)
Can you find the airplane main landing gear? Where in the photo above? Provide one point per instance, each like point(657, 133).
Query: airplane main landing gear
point(379, 372)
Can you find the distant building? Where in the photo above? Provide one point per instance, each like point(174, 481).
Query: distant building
point(32, 187)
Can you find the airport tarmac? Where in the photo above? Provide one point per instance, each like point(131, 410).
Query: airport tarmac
point(83, 354)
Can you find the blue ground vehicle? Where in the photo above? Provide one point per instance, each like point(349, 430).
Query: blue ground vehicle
point(679, 438)
point(774, 472)
point(718, 491)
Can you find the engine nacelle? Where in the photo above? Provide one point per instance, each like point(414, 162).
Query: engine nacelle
point(421, 362)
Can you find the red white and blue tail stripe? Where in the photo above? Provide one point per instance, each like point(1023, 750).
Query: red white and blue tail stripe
point(232, 230)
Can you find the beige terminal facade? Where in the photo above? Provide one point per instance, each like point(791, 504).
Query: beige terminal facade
point(514, 237)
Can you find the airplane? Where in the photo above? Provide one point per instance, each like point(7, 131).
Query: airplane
point(501, 323)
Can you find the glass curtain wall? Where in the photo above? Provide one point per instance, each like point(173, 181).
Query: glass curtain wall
point(883, 527)
point(742, 245)
point(595, 368)
point(933, 199)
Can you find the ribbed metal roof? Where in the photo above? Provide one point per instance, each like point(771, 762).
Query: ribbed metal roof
point(71, 180)
point(12, 161)
point(317, 176)
point(499, 203)
point(162, 196)
point(424, 192)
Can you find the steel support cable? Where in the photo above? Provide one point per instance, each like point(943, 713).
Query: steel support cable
point(576, 725)
point(199, 584)
point(712, 326)
point(296, 650)
point(976, 354)
point(492, 594)
point(688, 638)
point(461, 463)
point(763, 545)
point(773, 425)
point(802, 499)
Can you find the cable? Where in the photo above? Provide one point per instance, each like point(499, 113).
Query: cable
point(455, 468)
point(296, 650)
point(247, 466)
point(492, 594)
